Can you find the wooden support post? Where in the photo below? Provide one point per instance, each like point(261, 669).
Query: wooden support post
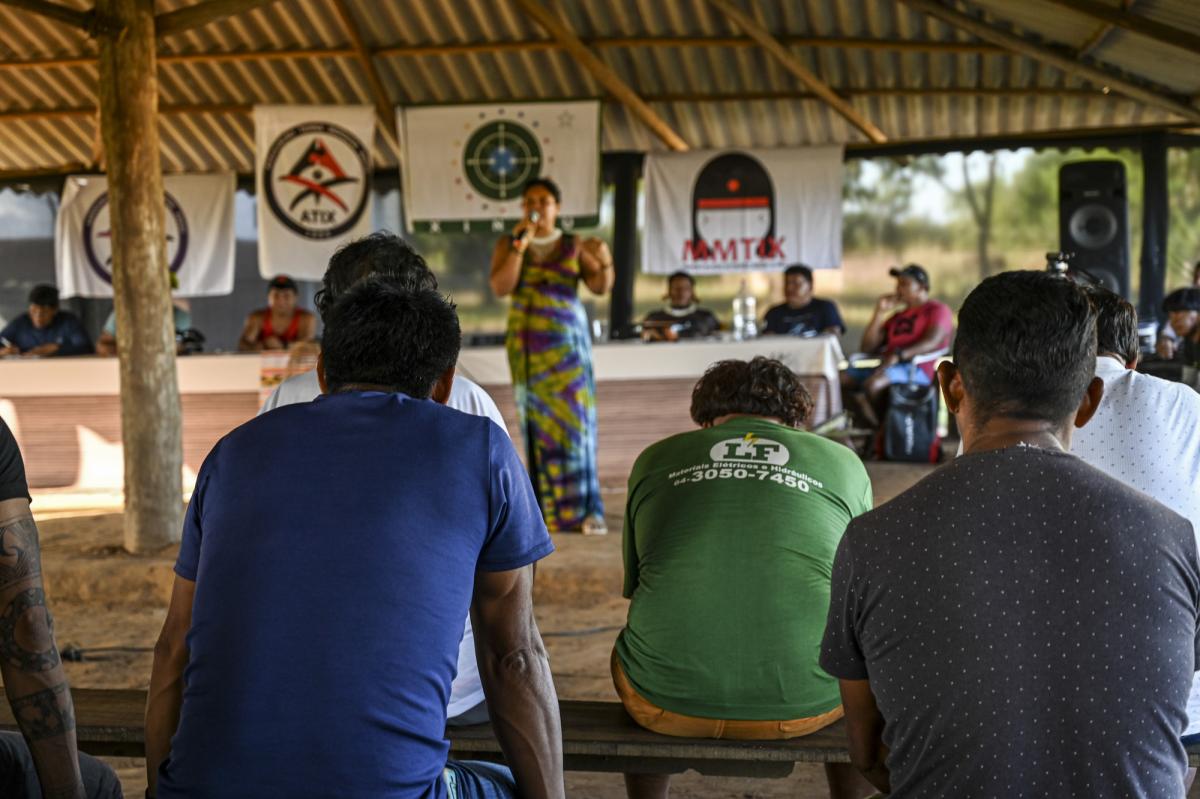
point(83, 20)
point(1156, 215)
point(624, 170)
point(1055, 58)
point(151, 428)
point(602, 73)
point(792, 64)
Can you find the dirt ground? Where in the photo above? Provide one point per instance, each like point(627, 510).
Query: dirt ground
point(110, 605)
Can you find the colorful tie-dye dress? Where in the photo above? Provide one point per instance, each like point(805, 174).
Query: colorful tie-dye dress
point(550, 356)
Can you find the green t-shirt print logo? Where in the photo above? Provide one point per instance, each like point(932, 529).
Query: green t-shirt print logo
point(750, 449)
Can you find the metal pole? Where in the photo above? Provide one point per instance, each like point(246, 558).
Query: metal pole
point(1155, 218)
point(624, 170)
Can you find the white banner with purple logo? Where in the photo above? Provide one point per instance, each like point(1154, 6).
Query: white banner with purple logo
point(198, 224)
point(313, 168)
point(710, 211)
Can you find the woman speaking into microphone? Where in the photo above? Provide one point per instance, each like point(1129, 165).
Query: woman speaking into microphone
point(550, 355)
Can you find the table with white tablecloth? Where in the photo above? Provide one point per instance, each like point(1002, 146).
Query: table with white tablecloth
point(644, 391)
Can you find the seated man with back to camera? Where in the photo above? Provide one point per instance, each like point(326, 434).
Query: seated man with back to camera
point(319, 651)
point(388, 255)
point(802, 314)
point(730, 532)
point(45, 330)
point(1146, 432)
point(682, 317)
point(921, 326)
point(1018, 623)
point(42, 760)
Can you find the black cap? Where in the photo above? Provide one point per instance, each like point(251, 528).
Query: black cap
point(1182, 300)
point(917, 273)
point(282, 282)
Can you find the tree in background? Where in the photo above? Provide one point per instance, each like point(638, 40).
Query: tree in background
point(1183, 241)
point(977, 198)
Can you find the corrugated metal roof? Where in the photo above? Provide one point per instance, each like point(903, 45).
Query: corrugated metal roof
point(720, 93)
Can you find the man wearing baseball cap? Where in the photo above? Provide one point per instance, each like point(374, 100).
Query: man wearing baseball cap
point(281, 324)
point(906, 323)
point(1182, 307)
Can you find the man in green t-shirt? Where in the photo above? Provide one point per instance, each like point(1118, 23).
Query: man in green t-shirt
point(730, 533)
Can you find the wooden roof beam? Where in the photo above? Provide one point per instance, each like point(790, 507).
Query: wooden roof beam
point(792, 64)
point(603, 74)
point(384, 107)
point(88, 21)
point(1099, 34)
point(1142, 26)
point(200, 14)
point(1055, 58)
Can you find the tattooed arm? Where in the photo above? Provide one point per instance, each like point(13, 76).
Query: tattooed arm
point(29, 663)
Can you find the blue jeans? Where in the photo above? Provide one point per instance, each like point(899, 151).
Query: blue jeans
point(899, 373)
point(474, 779)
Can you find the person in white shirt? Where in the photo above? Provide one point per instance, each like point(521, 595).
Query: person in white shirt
point(1146, 432)
point(387, 254)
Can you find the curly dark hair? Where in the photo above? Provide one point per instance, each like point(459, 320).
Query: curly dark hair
point(379, 253)
point(760, 387)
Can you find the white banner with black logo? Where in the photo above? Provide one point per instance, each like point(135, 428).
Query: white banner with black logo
point(313, 167)
point(709, 212)
point(464, 166)
point(198, 226)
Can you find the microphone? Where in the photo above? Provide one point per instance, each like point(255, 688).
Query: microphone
point(527, 231)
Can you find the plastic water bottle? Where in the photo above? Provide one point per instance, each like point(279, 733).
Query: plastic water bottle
point(745, 314)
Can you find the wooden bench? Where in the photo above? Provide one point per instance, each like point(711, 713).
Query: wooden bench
point(597, 736)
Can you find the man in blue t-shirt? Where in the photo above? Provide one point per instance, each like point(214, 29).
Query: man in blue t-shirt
point(45, 330)
point(323, 579)
point(802, 314)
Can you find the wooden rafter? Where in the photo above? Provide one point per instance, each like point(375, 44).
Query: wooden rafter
point(195, 16)
point(88, 21)
point(236, 109)
point(1055, 58)
point(384, 109)
point(1142, 26)
point(788, 61)
point(603, 74)
point(1099, 34)
point(535, 45)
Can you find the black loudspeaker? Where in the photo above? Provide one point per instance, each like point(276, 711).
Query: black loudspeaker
point(1093, 221)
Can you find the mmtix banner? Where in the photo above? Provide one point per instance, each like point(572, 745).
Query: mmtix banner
point(198, 225)
point(709, 212)
point(464, 166)
point(313, 170)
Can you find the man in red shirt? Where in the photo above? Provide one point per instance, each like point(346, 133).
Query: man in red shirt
point(920, 326)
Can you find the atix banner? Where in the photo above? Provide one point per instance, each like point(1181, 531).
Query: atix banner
point(709, 212)
point(464, 166)
point(198, 227)
point(313, 168)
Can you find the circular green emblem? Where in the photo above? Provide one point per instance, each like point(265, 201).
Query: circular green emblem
point(500, 158)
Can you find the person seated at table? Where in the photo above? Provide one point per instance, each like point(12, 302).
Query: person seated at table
point(319, 650)
point(282, 323)
point(1166, 341)
point(728, 544)
point(1018, 623)
point(905, 324)
point(181, 320)
point(802, 314)
point(1182, 307)
point(42, 760)
point(682, 317)
point(45, 330)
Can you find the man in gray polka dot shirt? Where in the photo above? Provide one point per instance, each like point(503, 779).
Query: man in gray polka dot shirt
point(1018, 624)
